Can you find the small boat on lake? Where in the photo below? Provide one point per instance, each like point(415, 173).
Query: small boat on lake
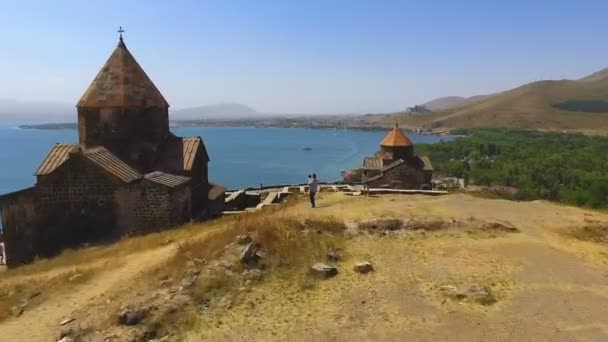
point(307, 148)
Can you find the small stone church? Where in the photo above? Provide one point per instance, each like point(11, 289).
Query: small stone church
point(396, 166)
point(127, 175)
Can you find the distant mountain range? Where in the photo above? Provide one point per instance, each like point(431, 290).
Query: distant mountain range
point(218, 111)
point(580, 105)
point(13, 110)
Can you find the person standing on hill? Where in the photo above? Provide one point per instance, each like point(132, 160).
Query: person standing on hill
point(364, 182)
point(313, 187)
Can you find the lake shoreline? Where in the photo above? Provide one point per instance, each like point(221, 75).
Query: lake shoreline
point(238, 124)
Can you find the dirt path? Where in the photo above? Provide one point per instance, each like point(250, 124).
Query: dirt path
point(41, 323)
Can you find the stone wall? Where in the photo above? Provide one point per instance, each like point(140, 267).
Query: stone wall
point(80, 203)
point(147, 207)
point(75, 205)
point(19, 217)
point(402, 176)
point(131, 134)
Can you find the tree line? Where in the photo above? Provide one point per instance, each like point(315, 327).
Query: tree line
point(564, 167)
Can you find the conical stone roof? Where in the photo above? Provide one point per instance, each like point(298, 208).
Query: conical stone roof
point(121, 82)
point(396, 138)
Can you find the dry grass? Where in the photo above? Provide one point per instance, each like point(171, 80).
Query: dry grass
point(594, 232)
point(284, 239)
point(289, 247)
point(224, 302)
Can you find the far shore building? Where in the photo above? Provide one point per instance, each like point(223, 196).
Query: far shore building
point(127, 175)
point(396, 166)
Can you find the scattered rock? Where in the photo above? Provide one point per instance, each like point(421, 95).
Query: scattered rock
point(381, 225)
point(253, 275)
point(65, 339)
point(363, 267)
point(323, 271)
point(165, 282)
point(131, 317)
point(167, 242)
point(75, 277)
point(65, 332)
point(17, 310)
point(481, 294)
point(501, 227)
point(199, 262)
point(243, 239)
point(188, 282)
point(67, 320)
point(424, 226)
point(453, 292)
point(250, 256)
point(150, 334)
point(333, 255)
point(476, 293)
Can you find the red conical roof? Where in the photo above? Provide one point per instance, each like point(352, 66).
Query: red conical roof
point(396, 138)
point(121, 82)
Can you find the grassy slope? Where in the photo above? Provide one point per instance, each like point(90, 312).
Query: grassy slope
point(528, 106)
point(534, 274)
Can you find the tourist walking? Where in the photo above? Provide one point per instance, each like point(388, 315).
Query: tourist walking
point(313, 187)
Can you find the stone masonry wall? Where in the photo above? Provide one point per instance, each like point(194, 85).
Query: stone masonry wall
point(147, 207)
point(81, 203)
point(75, 205)
point(18, 222)
point(132, 134)
point(400, 177)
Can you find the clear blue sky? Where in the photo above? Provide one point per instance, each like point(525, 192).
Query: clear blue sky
point(302, 56)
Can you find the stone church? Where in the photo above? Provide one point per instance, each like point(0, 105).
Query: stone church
point(396, 165)
point(127, 175)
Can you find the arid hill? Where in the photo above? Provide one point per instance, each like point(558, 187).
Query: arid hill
point(456, 267)
point(449, 102)
point(580, 105)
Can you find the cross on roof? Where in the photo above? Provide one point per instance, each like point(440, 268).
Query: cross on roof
point(121, 31)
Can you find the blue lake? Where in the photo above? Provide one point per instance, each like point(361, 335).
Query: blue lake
point(240, 156)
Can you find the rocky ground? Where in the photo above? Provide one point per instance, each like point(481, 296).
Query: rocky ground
point(380, 268)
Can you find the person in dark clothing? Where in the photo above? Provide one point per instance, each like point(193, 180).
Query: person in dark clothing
point(364, 182)
point(313, 187)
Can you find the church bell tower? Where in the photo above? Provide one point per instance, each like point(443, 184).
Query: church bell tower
point(123, 111)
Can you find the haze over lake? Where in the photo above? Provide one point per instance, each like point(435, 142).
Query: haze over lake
point(240, 156)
